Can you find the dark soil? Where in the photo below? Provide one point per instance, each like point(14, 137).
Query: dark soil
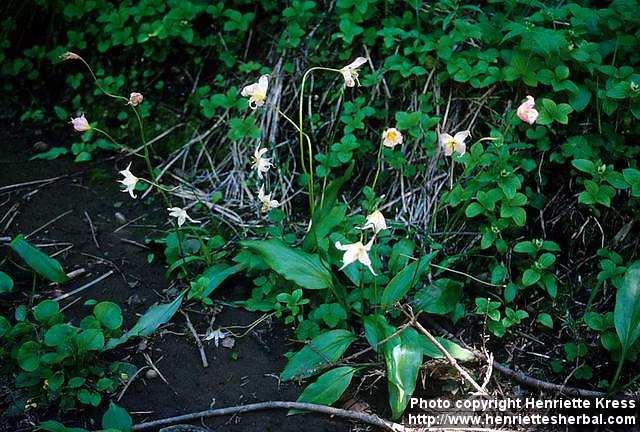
point(245, 374)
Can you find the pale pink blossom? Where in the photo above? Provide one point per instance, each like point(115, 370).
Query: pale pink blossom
point(526, 111)
point(80, 124)
point(135, 99)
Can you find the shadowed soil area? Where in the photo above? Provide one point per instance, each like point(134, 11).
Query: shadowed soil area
point(86, 199)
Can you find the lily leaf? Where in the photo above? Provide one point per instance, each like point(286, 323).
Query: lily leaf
point(401, 283)
point(39, 261)
point(302, 268)
point(403, 357)
point(323, 349)
point(327, 388)
point(155, 316)
point(626, 315)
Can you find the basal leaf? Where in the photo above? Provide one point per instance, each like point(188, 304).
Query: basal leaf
point(40, 262)
point(626, 315)
point(401, 283)
point(323, 349)
point(327, 388)
point(403, 357)
point(302, 268)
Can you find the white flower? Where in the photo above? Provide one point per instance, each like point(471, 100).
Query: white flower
point(135, 99)
point(356, 252)
point(129, 181)
point(266, 201)
point(217, 336)
point(257, 92)
point(80, 124)
point(350, 72)
point(454, 143)
point(376, 222)
point(391, 137)
point(181, 215)
point(260, 163)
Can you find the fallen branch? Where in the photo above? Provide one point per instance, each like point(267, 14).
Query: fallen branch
point(416, 324)
point(84, 287)
point(203, 356)
point(523, 378)
point(371, 419)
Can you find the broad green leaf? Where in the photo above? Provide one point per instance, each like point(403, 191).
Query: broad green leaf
point(45, 310)
point(440, 297)
point(328, 388)
point(59, 334)
point(302, 268)
point(90, 340)
point(153, 318)
point(431, 350)
point(376, 329)
point(403, 357)
point(323, 349)
point(626, 315)
point(545, 319)
point(218, 273)
point(117, 418)
point(6, 283)
point(109, 314)
point(40, 262)
point(5, 326)
point(401, 283)
point(29, 356)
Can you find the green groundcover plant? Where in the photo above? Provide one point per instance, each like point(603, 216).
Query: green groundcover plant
point(474, 164)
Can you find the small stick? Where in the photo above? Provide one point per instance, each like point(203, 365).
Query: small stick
point(135, 243)
point(130, 380)
point(84, 287)
point(93, 231)
point(454, 363)
point(362, 417)
point(37, 230)
point(203, 356)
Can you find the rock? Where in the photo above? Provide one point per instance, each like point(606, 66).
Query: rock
point(40, 146)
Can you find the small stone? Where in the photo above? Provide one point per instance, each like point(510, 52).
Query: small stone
point(41, 146)
point(151, 374)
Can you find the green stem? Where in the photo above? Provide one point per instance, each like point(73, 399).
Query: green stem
point(618, 370)
point(300, 129)
point(378, 166)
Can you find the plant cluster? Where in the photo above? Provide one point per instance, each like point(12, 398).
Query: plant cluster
point(477, 165)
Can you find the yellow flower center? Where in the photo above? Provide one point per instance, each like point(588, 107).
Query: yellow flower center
point(392, 136)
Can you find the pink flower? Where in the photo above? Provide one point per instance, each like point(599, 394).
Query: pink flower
point(526, 112)
point(135, 99)
point(80, 124)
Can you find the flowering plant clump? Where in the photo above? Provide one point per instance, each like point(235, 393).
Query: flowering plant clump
point(375, 169)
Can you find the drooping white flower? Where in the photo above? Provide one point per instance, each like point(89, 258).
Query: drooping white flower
point(391, 137)
point(181, 215)
point(257, 92)
point(454, 143)
point(266, 201)
point(217, 336)
point(80, 124)
point(129, 181)
point(135, 99)
point(350, 72)
point(260, 163)
point(376, 222)
point(356, 252)
point(70, 56)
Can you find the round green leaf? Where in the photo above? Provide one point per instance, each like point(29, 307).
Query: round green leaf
point(45, 310)
point(29, 356)
point(109, 315)
point(117, 418)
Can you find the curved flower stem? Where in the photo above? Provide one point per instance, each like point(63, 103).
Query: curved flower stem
point(300, 129)
point(95, 79)
point(467, 275)
point(378, 166)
